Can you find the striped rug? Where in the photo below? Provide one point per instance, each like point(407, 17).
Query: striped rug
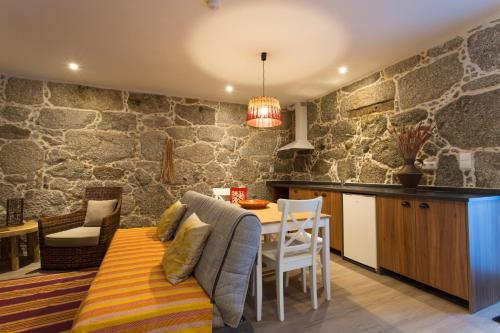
point(43, 303)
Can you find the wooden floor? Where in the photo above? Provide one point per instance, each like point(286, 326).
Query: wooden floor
point(362, 301)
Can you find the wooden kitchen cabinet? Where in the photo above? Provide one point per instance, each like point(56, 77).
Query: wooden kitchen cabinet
point(395, 235)
point(425, 240)
point(332, 205)
point(441, 245)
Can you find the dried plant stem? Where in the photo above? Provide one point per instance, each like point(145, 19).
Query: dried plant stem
point(168, 171)
point(411, 138)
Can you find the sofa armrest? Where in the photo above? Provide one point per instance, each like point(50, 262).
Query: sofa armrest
point(50, 225)
point(109, 225)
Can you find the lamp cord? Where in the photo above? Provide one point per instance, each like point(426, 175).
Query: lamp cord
point(263, 78)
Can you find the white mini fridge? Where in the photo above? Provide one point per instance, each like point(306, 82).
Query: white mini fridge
point(360, 230)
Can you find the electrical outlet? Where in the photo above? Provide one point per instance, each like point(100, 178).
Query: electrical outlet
point(465, 160)
point(430, 164)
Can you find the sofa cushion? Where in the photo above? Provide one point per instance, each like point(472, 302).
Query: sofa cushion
point(185, 250)
point(169, 221)
point(76, 237)
point(97, 210)
point(229, 254)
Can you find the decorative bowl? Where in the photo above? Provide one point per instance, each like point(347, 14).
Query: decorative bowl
point(253, 204)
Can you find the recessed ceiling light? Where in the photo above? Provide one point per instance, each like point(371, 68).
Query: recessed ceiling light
point(342, 69)
point(229, 89)
point(73, 66)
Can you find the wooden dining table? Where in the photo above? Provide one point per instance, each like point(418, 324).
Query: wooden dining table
point(270, 219)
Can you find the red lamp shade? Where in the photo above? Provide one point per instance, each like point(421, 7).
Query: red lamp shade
point(264, 111)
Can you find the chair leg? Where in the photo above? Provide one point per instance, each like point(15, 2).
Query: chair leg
point(314, 292)
point(304, 280)
point(254, 277)
point(287, 279)
point(279, 295)
point(321, 264)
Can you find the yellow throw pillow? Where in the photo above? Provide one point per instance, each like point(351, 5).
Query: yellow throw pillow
point(182, 255)
point(169, 221)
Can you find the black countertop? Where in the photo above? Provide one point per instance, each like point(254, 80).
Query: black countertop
point(423, 192)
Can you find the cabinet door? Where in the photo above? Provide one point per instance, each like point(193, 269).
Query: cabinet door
point(395, 235)
point(441, 245)
point(300, 194)
point(332, 205)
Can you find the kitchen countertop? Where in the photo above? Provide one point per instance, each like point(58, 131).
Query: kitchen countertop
point(423, 192)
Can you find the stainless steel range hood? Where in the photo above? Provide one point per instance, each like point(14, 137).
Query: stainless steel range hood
point(300, 142)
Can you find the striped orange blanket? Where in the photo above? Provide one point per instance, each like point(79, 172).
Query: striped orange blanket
point(130, 292)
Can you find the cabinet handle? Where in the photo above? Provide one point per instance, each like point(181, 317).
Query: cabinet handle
point(323, 195)
point(405, 204)
point(424, 205)
point(295, 191)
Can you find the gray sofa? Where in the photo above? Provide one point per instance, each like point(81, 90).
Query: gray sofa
point(226, 263)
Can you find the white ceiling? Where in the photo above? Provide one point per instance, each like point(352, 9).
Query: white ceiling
point(182, 48)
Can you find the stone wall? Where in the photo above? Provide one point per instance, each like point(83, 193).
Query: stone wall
point(55, 139)
point(455, 85)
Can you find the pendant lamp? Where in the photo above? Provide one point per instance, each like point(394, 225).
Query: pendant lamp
point(263, 111)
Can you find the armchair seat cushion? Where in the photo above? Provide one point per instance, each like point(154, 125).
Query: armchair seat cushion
point(76, 237)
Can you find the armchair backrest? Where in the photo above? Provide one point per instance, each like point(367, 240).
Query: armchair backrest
point(103, 193)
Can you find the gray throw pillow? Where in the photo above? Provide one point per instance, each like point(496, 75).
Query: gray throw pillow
point(97, 210)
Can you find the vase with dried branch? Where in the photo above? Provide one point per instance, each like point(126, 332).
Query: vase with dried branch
point(410, 140)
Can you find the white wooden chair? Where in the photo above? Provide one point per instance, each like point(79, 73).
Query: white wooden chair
point(295, 250)
point(221, 193)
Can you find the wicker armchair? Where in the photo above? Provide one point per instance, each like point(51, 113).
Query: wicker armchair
point(62, 258)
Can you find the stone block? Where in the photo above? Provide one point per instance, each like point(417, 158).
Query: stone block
point(100, 147)
point(194, 114)
point(402, 66)
point(430, 82)
point(487, 169)
point(43, 203)
point(232, 114)
point(211, 133)
point(408, 118)
point(483, 82)
point(118, 121)
point(446, 47)
point(329, 107)
point(373, 94)
point(471, 121)
point(66, 118)
point(346, 169)
point(342, 131)
point(373, 126)
point(153, 145)
point(21, 157)
point(197, 153)
point(71, 169)
point(147, 103)
point(484, 48)
point(14, 113)
point(10, 132)
point(83, 97)
point(370, 79)
point(372, 173)
point(448, 172)
point(387, 152)
point(260, 142)
point(23, 91)
point(108, 173)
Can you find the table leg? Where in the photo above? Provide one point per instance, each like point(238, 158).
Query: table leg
point(33, 247)
point(258, 282)
point(326, 261)
point(14, 253)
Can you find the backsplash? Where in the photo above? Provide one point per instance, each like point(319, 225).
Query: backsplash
point(56, 139)
point(455, 85)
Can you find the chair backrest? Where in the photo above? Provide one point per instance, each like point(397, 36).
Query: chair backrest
point(221, 193)
point(103, 193)
point(309, 212)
